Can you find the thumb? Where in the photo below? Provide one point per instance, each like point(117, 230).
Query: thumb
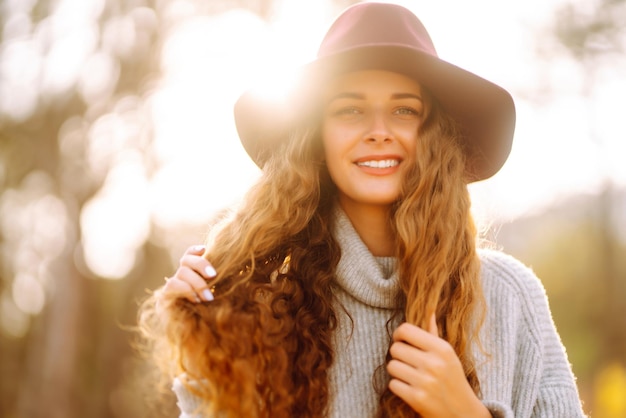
point(432, 325)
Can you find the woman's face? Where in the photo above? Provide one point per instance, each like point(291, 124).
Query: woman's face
point(369, 132)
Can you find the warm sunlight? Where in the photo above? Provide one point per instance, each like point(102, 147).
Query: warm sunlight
point(207, 63)
point(119, 151)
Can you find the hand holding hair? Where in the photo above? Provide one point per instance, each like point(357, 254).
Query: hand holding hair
point(190, 281)
point(427, 374)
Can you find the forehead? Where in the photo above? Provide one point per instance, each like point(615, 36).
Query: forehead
point(372, 82)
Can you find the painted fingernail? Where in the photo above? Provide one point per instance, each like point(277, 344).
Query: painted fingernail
point(198, 248)
point(208, 295)
point(210, 271)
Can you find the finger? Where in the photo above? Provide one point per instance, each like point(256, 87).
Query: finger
point(176, 288)
point(199, 264)
point(196, 253)
point(196, 249)
point(195, 281)
point(415, 336)
point(413, 396)
point(432, 326)
point(400, 370)
point(407, 354)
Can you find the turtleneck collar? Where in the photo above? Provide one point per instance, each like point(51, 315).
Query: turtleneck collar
point(371, 280)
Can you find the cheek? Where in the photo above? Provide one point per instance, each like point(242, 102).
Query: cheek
point(331, 157)
point(331, 140)
point(332, 153)
point(327, 143)
point(410, 143)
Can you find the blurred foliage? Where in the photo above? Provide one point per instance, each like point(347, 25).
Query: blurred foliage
point(76, 81)
point(591, 30)
point(590, 258)
point(610, 387)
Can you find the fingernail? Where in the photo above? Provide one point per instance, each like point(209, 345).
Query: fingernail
point(208, 295)
point(198, 300)
point(198, 248)
point(210, 271)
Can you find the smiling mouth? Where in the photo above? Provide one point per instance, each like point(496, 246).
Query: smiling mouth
point(378, 163)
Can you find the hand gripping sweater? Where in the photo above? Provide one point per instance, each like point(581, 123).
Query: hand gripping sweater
point(524, 374)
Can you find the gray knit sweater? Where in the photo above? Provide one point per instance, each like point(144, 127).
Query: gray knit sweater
point(525, 374)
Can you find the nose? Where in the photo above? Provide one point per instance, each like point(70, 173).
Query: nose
point(378, 128)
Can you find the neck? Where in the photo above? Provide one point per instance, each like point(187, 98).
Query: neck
point(372, 224)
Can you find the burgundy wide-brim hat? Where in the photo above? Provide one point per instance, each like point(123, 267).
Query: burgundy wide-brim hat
point(381, 36)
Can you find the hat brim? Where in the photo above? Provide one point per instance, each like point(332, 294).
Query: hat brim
point(485, 111)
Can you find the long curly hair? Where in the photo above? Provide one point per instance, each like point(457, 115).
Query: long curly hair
point(438, 265)
point(263, 347)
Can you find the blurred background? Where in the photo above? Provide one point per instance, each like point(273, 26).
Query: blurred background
point(117, 145)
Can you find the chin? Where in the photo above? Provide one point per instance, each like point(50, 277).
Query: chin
point(386, 200)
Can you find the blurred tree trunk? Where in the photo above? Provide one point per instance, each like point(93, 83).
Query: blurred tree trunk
point(614, 289)
point(49, 388)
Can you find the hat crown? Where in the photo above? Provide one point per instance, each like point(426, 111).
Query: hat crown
point(376, 24)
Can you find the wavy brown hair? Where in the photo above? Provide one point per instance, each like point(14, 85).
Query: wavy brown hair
point(438, 265)
point(263, 347)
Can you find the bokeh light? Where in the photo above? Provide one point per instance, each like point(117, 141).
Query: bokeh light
point(112, 232)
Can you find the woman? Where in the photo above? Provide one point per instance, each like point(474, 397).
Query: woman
point(348, 283)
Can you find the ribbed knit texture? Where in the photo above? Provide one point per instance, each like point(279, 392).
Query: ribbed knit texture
point(525, 372)
point(367, 291)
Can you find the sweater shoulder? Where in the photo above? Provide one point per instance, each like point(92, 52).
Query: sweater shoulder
point(522, 341)
point(513, 292)
point(505, 273)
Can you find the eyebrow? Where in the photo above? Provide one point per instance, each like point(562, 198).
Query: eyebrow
point(347, 95)
point(360, 96)
point(406, 96)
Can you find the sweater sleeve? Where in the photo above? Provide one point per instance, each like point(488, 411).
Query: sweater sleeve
point(188, 403)
point(527, 373)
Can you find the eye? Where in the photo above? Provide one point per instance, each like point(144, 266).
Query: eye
point(347, 111)
point(406, 111)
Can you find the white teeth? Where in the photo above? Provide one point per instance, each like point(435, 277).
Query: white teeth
point(379, 164)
